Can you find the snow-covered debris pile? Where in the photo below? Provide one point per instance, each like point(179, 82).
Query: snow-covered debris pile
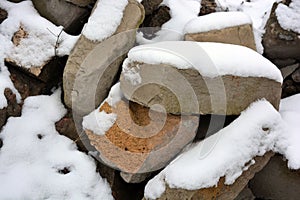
point(38, 163)
point(290, 112)
point(225, 154)
point(289, 16)
point(202, 78)
point(40, 39)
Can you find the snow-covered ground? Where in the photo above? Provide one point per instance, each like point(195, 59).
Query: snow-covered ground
point(38, 163)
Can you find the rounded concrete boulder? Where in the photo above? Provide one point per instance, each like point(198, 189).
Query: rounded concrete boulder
point(199, 78)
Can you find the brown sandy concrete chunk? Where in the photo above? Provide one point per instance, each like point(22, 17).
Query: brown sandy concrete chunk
point(141, 141)
point(95, 65)
point(223, 95)
point(221, 191)
point(239, 35)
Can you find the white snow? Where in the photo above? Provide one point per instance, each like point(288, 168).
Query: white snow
point(30, 166)
point(39, 45)
point(224, 154)
point(290, 112)
point(115, 95)
point(5, 81)
point(181, 12)
point(105, 19)
point(100, 122)
point(216, 21)
point(210, 59)
point(289, 16)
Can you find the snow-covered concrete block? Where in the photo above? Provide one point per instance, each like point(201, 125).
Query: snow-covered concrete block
point(221, 191)
point(224, 27)
point(134, 139)
point(220, 166)
point(201, 78)
point(95, 60)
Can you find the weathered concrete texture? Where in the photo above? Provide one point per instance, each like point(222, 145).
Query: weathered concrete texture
point(186, 91)
point(276, 181)
point(239, 35)
point(222, 191)
point(141, 141)
point(279, 43)
point(92, 67)
point(63, 13)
